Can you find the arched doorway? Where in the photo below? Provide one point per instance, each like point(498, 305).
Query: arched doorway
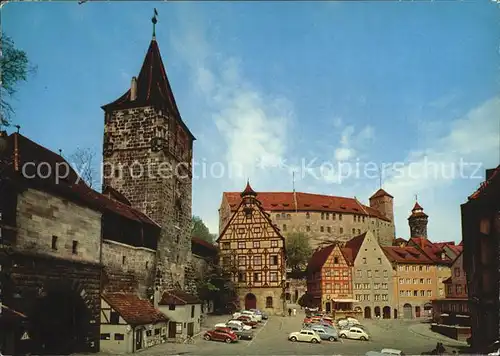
point(328, 307)
point(377, 312)
point(395, 313)
point(386, 312)
point(407, 311)
point(417, 311)
point(368, 313)
point(250, 301)
point(59, 322)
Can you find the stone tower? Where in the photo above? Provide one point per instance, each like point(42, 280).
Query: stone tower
point(418, 222)
point(383, 202)
point(147, 157)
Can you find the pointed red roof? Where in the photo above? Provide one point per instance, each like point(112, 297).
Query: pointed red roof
point(380, 193)
point(417, 207)
point(248, 191)
point(354, 244)
point(153, 88)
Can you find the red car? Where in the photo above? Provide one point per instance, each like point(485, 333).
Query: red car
point(247, 321)
point(221, 334)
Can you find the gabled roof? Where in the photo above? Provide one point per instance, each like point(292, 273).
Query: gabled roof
point(433, 251)
point(380, 193)
point(24, 153)
point(178, 297)
point(153, 88)
point(354, 245)
point(319, 258)
point(290, 201)
point(134, 310)
point(406, 254)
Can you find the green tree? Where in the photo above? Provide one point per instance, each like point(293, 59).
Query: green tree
point(217, 285)
point(298, 251)
point(200, 230)
point(14, 67)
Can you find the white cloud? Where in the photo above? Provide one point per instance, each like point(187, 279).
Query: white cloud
point(435, 171)
point(343, 154)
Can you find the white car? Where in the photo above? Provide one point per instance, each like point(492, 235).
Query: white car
point(305, 335)
point(236, 323)
point(353, 321)
point(354, 333)
point(392, 352)
point(251, 315)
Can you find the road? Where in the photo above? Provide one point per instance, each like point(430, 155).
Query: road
point(271, 338)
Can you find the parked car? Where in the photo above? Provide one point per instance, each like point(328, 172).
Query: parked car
point(257, 311)
point(233, 323)
point(319, 323)
point(325, 333)
point(305, 335)
point(245, 319)
point(241, 333)
point(251, 315)
point(354, 333)
point(221, 334)
point(392, 352)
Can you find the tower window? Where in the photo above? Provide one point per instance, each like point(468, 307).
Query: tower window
point(124, 259)
point(54, 243)
point(75, 247)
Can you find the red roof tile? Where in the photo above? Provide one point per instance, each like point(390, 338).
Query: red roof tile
point(134, 310)
point(354, 244)
point(30, 155)
point(348, 255)
point(285, 201)
point(178, 297)
point(433, 251)
point(381, 193)
point(405, 255)
point(417, 207)
point(153, 87)
point(248, 191)
point(319, 258)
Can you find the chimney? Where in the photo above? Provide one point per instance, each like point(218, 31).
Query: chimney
point(133, 89)
point(489, 173)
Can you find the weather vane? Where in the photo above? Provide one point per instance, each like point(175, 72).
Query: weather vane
point(154, 20)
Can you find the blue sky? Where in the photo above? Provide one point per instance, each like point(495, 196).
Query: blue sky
point(270, 86)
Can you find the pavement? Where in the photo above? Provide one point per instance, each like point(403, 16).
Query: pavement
point(271, 338)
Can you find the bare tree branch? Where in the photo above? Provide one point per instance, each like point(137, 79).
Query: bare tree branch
point(83, 160)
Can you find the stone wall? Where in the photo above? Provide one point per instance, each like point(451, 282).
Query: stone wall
point(39, 222)
point(120, 258)
point(261, 294)
point(34, 276)
point(162, 190)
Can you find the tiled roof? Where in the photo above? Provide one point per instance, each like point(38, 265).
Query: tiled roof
point(204, 243)
point(319, 258)
point(354, 244)
point(248, 191)
point(400, 240)
point(348, 255)
point(116, 195)
point(417, 207)
point(178, 297)
point(381, 193)
point(153, 87)
point(285, 201)
point(487, 185)
point(30, 155)
point(432, 251)
point(134, 310)
point(405, 255)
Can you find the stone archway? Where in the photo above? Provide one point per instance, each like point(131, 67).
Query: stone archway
point(386, 312)
point(377, 312)
point(417, 311)
point(368, 313)
point(60, 320)
point(407, 311)
point(250, 301)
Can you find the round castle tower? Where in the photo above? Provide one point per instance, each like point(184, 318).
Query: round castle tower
point(418, 221)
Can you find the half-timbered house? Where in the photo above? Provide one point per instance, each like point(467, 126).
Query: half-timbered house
point(253, 250)
point(329, 279)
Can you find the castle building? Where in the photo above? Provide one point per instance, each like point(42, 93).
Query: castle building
point(324, 218)
point(147, 154)
point(252, 249)
point(418, 222)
